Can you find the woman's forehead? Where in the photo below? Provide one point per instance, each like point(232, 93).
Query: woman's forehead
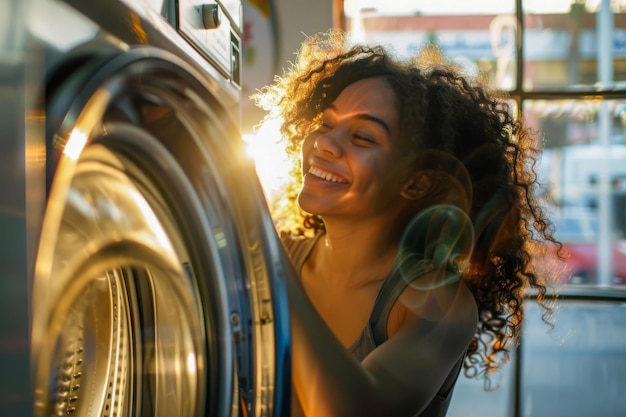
point(371, 96)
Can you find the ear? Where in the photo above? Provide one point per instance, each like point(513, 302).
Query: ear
point(416, 186)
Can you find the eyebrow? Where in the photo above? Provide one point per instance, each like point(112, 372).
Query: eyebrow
point(369, 117)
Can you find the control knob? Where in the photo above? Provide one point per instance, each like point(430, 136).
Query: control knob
point(211, 16)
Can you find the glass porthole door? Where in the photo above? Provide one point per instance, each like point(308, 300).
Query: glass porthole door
point(157, 288)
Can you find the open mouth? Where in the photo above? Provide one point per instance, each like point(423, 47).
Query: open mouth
point(326, 175)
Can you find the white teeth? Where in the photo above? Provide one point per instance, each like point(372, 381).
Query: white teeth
point(326, 175)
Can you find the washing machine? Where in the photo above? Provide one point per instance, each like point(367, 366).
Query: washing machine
point(153, 274)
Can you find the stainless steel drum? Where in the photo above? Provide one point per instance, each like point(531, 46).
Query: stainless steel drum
point(157, 287)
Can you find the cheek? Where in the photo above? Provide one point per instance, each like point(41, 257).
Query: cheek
point(306, 149)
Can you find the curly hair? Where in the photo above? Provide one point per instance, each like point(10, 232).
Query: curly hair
point(441, 113)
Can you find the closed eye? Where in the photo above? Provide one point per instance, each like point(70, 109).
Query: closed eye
point(325, 125)
point(364, 135)
point(365, 139)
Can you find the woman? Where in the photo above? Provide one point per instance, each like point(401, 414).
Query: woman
point(411, 222)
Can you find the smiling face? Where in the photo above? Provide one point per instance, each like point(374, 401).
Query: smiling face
point(355, 164)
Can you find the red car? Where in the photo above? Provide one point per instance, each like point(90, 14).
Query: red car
point(580, 237)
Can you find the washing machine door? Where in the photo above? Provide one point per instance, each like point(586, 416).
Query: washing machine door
point(158, 280)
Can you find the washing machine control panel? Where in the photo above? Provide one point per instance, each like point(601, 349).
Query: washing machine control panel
point(214, 28)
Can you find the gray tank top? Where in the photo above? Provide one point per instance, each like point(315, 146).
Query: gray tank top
point(375, 331)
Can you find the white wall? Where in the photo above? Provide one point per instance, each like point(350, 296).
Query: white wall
point(295, 20)
point(299, 18)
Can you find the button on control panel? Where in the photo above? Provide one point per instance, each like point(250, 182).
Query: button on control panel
point(214, 29)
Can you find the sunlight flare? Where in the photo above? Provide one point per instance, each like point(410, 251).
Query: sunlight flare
point(270, 159)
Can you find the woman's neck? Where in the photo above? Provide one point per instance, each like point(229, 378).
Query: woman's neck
point(356, 254)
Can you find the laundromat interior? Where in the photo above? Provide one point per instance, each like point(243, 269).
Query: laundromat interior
point(141, 273)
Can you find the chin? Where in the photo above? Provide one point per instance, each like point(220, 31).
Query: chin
point(305, 202)
point(309, 203)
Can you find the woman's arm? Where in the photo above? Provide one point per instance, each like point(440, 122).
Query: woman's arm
point(400, 377)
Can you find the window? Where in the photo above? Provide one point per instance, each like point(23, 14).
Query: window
point(577, 370)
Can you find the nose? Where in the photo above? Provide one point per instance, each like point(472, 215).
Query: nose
point(329, 143)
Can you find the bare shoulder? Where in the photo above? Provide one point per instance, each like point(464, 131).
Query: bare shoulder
point(447, 304)
point(434, 329)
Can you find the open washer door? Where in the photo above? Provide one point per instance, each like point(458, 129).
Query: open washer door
point(158, 280)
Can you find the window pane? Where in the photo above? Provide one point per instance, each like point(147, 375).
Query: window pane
point(565, 50)
point(471, 399)
point(583, 172)
point(477, 35)
point(577, 370)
